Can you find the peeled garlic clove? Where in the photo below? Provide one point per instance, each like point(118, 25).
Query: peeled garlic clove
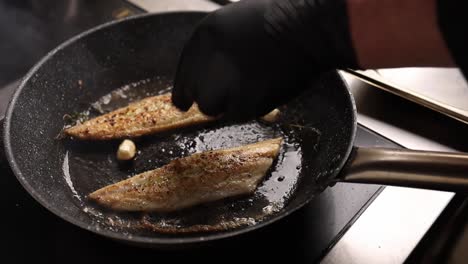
point(272, 116)
point(127, 150)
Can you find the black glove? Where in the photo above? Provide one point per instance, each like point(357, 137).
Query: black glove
point(249, 57)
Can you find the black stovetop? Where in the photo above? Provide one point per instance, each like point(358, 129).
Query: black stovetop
point(30, 231)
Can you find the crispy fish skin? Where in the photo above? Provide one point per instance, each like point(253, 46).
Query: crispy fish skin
point(188, 181)
point(148, 116)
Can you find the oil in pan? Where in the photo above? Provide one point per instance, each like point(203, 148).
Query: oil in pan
point(92, 165)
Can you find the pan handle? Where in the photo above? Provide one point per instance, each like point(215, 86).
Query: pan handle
point(409, 168)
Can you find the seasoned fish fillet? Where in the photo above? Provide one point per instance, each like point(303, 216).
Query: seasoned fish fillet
point(150, 115)
point(199, 178)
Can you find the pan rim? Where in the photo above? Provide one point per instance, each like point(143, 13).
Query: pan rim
point(139, 239)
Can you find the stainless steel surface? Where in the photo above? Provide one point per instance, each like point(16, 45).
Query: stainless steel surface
point(440, 89)
point(445, 85)
point(390, 227)
point(174, 5)
point(444, 171)
point(394, 223)
point(409, 124)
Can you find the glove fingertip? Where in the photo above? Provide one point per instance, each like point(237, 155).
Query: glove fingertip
point(210, 109)
point(180, 99)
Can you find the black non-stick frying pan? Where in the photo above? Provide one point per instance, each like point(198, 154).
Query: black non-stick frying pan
point(115, 63)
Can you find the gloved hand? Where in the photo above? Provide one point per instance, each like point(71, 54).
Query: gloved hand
point(249, 57)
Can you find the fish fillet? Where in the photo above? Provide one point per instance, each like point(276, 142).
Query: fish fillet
point(148, 116)
point(188, 181)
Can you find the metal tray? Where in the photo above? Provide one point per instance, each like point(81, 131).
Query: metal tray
point(444, 90)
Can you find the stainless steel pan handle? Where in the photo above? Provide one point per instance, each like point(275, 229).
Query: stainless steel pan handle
point(410, 168)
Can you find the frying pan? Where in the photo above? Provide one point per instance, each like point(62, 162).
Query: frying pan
point(137, 57)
